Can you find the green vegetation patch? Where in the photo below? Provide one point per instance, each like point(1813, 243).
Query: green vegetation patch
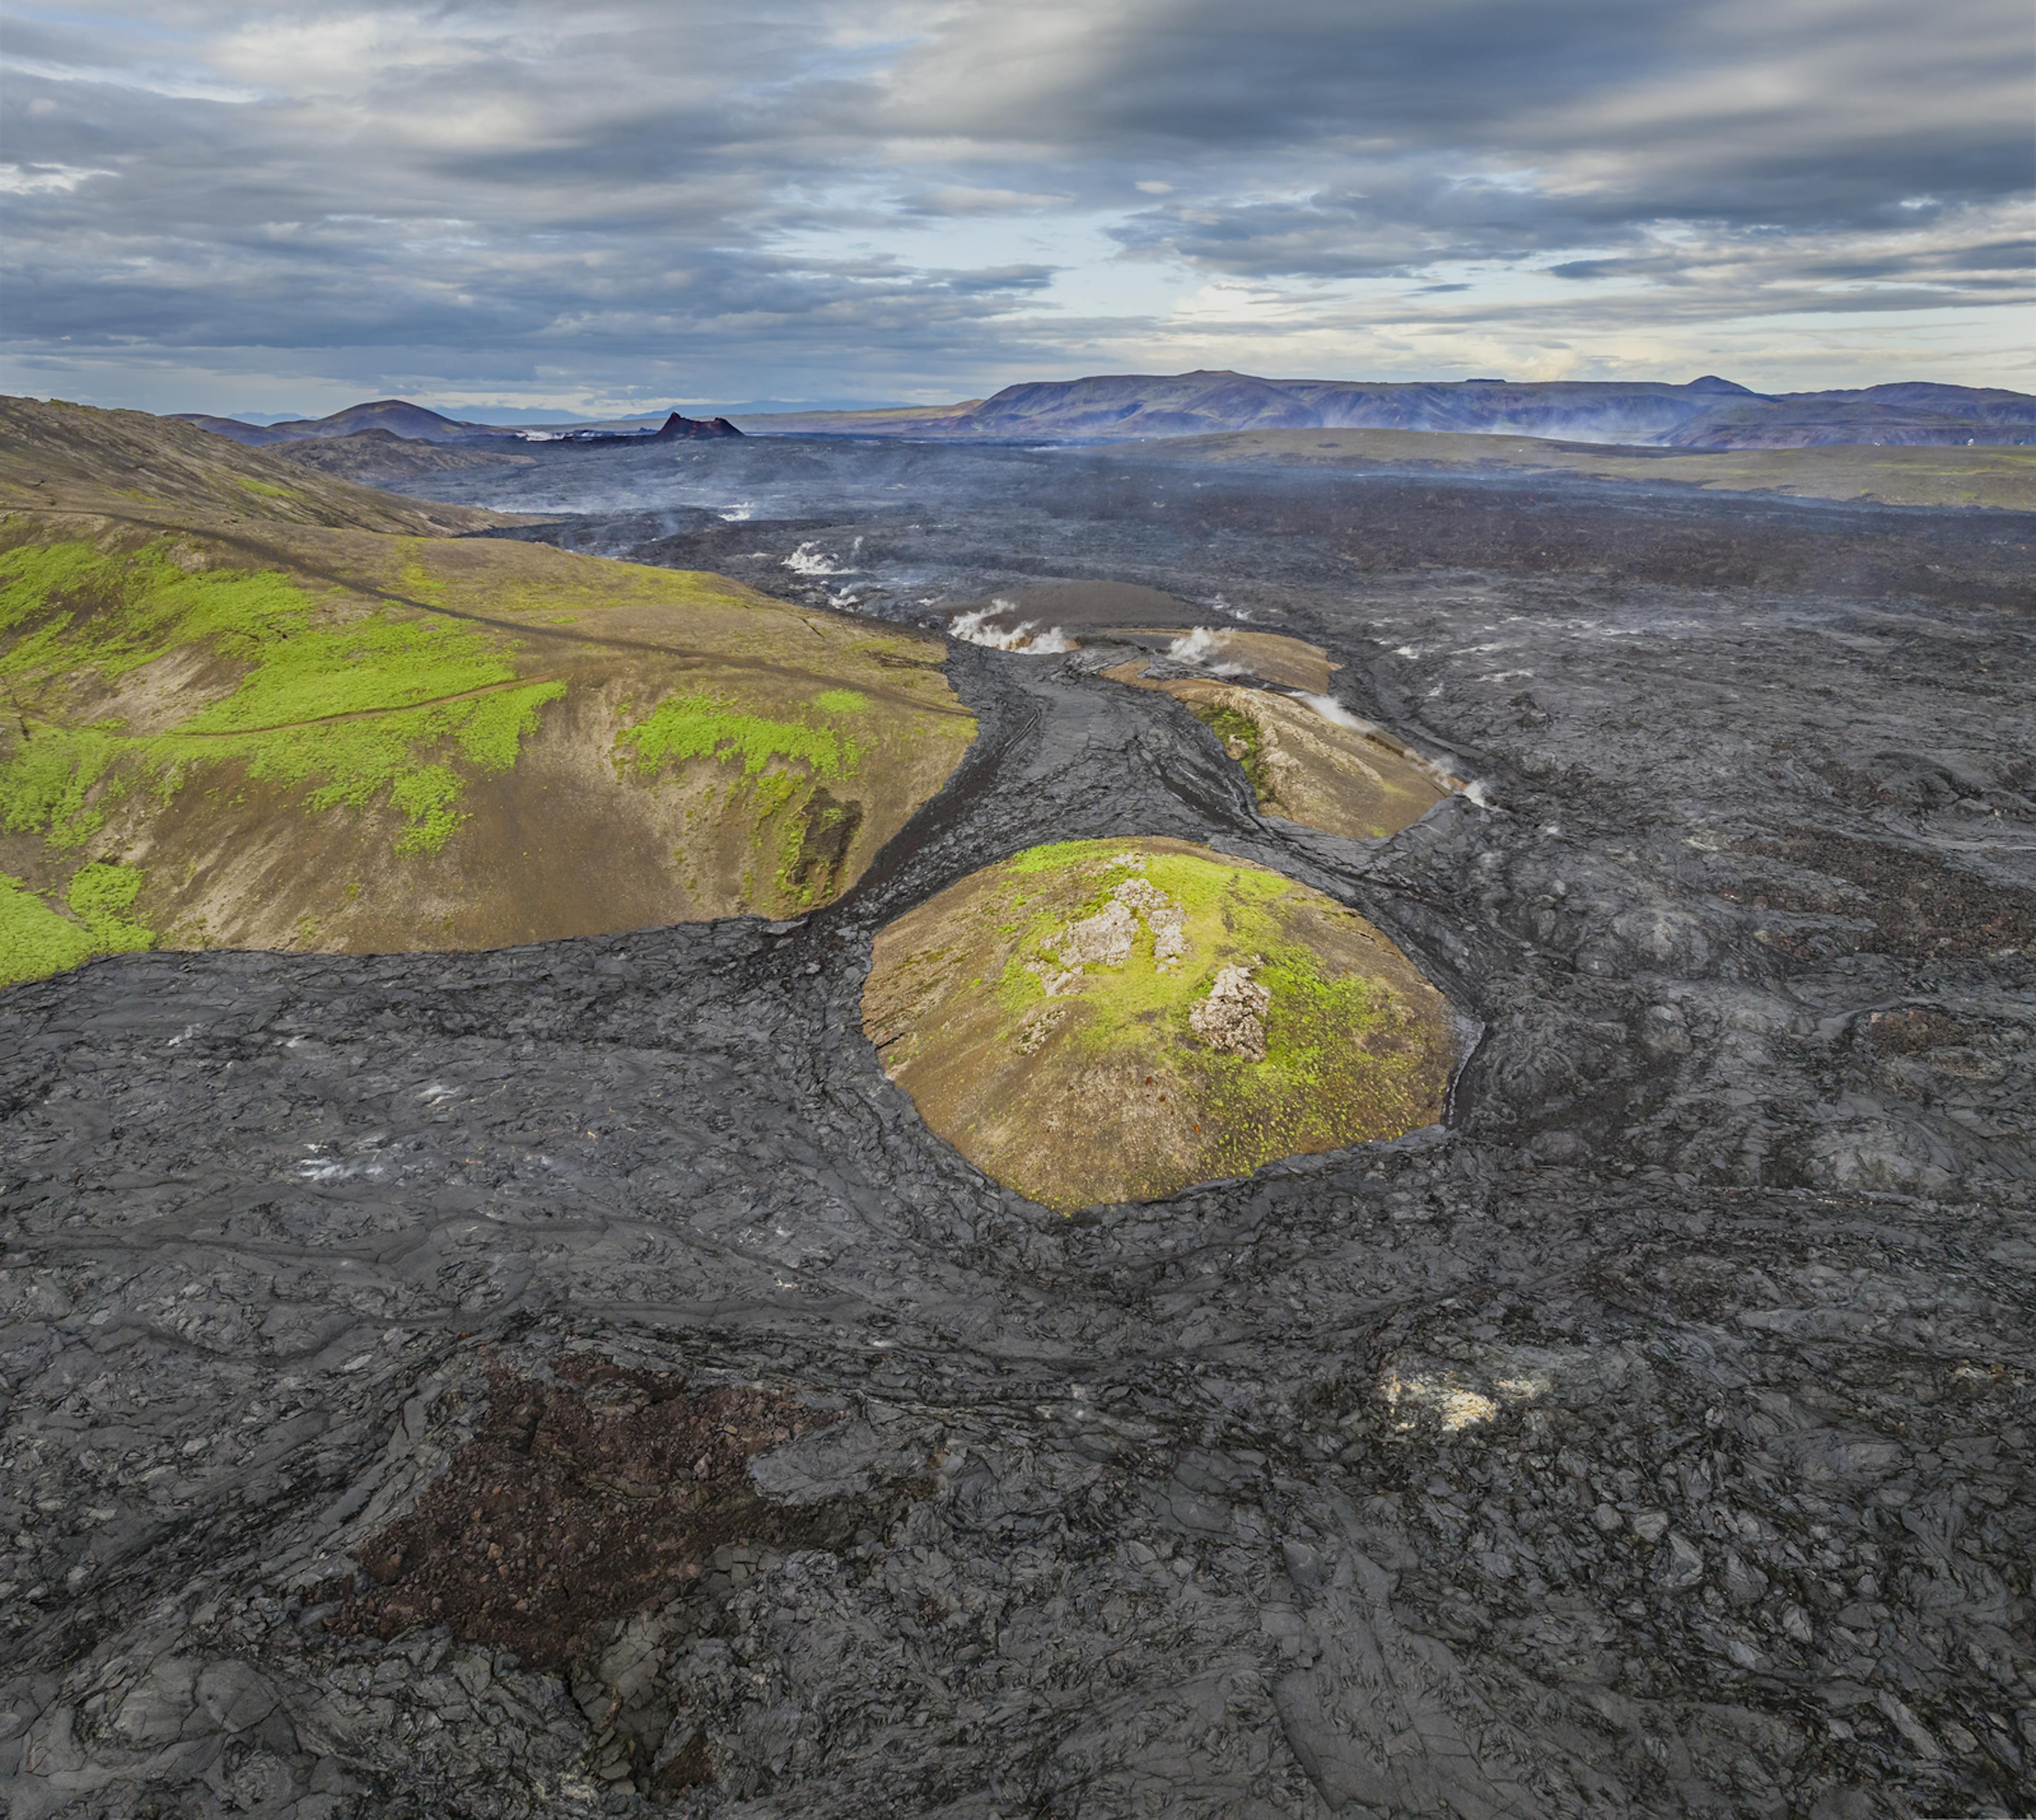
point(99, 897)
point(801, 836)
point(1233, 911)
point(317, 673)
point(377, 709)
point(36, 942)
point(1242, 738)
point(705, 726)
point(30, 575)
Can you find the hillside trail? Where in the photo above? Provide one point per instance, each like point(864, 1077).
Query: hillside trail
point(701, 657)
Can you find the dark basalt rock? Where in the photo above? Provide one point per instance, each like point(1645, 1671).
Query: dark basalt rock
point(674, 428)
point(1658, 1437)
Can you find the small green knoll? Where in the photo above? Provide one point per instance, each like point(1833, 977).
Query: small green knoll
point(1112, 1020)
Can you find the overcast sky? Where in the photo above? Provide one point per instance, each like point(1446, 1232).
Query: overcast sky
point(624, 203)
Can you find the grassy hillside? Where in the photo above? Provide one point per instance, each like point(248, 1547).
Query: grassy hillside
point(241, 710)
point(1052, 1018)
point(2004, 477)
point(128, 465)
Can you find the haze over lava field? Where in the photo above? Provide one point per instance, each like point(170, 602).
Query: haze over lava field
point(572, 1378)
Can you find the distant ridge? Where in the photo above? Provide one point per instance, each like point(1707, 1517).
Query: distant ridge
point(414, 423)
point(1710, 412)
point(398, 416)
point(1707, 413)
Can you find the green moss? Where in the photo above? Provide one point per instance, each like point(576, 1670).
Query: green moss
point(30, 575)
point(840, 701)
point(1315, 1026)
point(1234, 728)
point(317, 673)
point(47, 787)
point(264, 488)
point(126, 611)
point(418, 583)
point(491, 731)
point(351, 763)
point(358, 711)
point(701, 726)
point(1055, 856)
point(427, 797)
point(100, 896)
point(827, 828)
point(34, 941)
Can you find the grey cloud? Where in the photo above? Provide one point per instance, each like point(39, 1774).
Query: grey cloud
point(1389, 221)
point(501, 187)
point(963, 200)
point(1815, 106)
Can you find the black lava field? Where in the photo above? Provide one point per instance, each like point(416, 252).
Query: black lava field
point(570, 1380)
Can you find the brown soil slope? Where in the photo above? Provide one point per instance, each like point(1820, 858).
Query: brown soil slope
point(249, 727)
point(62, 457)
point(1310, 761)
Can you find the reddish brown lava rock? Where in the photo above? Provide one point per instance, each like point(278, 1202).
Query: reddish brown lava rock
point(582, 1500)
point(1919, 906)
point(1916, 1032)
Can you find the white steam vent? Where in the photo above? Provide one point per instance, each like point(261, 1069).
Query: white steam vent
point(1334, 711)
point(810, 560)
point(1027, 636)
point(1200, 647)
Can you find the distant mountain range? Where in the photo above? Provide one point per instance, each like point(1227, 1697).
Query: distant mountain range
point(414, 423)
point(1708, 413)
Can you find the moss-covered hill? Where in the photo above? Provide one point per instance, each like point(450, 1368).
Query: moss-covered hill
point(1113, 1020)
point(1340, 775)
point(62, 457)
point(250, 727)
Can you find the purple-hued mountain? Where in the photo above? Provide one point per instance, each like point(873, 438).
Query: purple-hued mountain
point(1708, 413)
point(414, 423)
point(1916, 413)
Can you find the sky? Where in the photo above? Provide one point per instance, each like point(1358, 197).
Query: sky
point(620, 204)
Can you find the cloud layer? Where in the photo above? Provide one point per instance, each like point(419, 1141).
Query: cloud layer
point(628, 202)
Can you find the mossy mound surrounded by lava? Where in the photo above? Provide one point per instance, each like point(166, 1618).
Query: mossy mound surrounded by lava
point(1308, 758)
point(1106, 1021)
point(248, 731)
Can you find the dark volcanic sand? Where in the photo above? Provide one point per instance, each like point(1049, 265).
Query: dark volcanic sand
point(324, 1277)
